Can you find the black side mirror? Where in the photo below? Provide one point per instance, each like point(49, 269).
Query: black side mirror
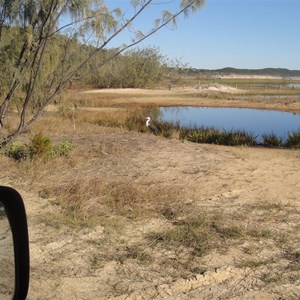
point(12, 212)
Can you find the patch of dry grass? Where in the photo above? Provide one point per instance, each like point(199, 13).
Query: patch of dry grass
point(199, 231)
point(100, 198)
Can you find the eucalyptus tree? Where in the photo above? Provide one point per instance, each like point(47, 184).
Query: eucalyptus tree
point(38, 38)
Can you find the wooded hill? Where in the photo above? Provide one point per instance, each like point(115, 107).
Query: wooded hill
point(274, 72)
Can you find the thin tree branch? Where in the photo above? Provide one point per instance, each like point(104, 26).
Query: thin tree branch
point(36, 62)
point(73, 72)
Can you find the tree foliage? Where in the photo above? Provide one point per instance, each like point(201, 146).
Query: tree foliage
point(138, 68)
point(39, 42)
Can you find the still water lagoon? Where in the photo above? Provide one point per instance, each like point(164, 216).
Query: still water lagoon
point(256, 121)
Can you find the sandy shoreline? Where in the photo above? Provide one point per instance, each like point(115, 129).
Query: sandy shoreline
point(206, 96)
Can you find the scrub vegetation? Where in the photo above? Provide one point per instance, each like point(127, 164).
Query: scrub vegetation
point(39, 147)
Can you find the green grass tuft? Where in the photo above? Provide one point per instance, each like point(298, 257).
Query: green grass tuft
point(293, 140)
point(210, 135)
point(271, 140)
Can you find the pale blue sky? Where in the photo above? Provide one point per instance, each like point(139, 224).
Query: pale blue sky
point(231, 33)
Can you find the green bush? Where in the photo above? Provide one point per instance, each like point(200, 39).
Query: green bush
point(64, 148)
point(39, 147)
point(17, 151)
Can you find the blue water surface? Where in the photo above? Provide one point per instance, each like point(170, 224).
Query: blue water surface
point(256, 121)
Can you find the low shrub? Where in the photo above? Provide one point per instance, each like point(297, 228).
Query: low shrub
point(40, 146)
point(17, 151)
point(64, 148)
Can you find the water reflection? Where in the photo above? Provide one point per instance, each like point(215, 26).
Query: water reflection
point(294, 85)
point(256, 121)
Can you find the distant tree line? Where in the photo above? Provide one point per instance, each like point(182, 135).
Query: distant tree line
point(276, 72)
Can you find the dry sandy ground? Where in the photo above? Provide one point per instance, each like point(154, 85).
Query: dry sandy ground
point(254, 187)
point(248, 197)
